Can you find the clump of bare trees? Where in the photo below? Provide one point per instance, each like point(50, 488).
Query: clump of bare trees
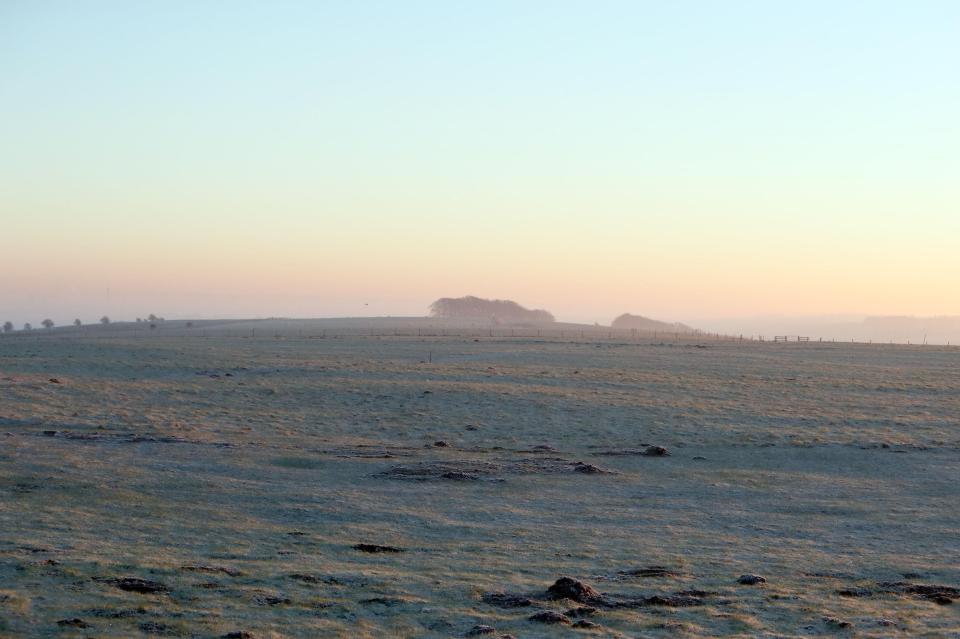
point(500, 310)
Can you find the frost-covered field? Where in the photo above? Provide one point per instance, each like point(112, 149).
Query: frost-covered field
point(191, 487)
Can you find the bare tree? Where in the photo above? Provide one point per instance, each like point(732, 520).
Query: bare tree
point(28, 326)
point(8, 327)
point(152, 317)
point(104, 320)
point(47, 323)
point(77, 323)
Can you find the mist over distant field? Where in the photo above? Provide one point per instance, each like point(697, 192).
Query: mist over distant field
point(897, 329)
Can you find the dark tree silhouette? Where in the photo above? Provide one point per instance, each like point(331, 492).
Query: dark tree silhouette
point(47, 323)
point(499, 310)
point(104, 320)
point(8, 327)
point(28, 326)
point(77, 322)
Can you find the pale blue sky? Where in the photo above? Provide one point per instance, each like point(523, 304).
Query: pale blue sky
point(683, 159)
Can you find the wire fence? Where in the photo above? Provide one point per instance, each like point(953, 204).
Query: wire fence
point(379, 332)
point(180, 330)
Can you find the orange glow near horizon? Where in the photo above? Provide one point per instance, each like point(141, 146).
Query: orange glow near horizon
point(748, 173)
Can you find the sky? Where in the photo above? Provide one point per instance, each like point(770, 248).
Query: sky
point(683, 160)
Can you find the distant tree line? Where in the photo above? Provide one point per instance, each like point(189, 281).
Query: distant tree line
point(48, 323)
point(505, 311)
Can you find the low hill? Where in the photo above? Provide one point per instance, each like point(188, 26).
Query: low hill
point(641, 323)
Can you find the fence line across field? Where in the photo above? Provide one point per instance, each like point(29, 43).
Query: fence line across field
point(99, 332)
point(598, 334)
